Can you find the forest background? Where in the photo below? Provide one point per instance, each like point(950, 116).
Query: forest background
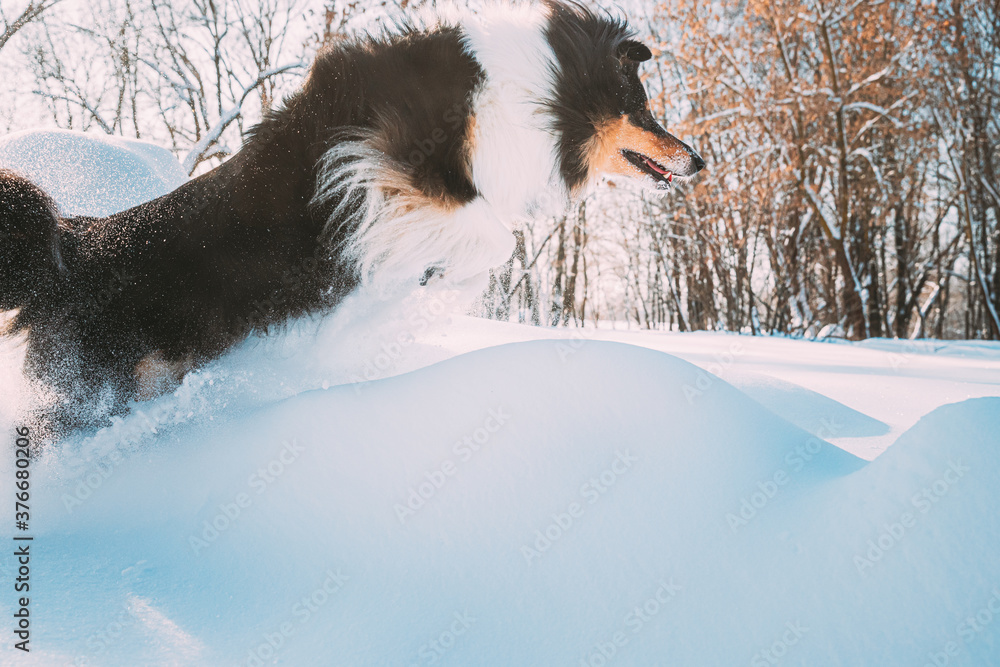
point(852, 149)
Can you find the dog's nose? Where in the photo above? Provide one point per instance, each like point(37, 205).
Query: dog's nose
point(698, 163)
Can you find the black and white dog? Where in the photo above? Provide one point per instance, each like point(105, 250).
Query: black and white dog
point(404, 158)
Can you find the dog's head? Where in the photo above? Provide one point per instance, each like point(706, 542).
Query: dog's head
point(601, 111)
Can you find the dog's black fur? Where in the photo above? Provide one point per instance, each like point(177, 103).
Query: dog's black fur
point(235, 250)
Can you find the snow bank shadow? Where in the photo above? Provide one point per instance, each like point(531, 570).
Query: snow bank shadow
point(809, 410)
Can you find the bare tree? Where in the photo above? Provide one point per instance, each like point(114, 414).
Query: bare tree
point(31, 12)
point(852, 150)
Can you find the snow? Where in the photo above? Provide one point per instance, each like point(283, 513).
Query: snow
point(92, 174)
point(400, 484)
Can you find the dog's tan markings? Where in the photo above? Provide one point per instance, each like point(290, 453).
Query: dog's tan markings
point(156, 375)
point(469, 145)
point(604, 152)
point(398, 187)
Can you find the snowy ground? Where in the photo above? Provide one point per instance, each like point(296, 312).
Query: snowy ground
point(401, 485)
point(866, 394)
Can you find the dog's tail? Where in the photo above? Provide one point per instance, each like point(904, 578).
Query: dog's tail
point(30, 250)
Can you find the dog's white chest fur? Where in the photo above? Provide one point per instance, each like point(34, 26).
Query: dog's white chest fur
point(513, 151)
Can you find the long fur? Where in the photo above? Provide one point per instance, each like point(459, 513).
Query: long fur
point(405, 158)
point(29, 230)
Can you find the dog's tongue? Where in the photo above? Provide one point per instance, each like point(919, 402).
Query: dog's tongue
point(655, 167)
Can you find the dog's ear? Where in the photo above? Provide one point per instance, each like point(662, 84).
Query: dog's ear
point(633, 51)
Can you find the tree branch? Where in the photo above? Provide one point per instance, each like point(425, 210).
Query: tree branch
point(197, 153)
point(30, 13)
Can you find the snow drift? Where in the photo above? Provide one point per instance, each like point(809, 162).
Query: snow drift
point(89, 174)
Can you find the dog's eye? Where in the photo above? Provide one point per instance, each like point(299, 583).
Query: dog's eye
point(635, 51)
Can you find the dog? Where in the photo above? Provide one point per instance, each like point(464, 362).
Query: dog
point(405, 158)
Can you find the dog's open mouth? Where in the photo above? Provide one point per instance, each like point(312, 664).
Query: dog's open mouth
point(647, 165)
